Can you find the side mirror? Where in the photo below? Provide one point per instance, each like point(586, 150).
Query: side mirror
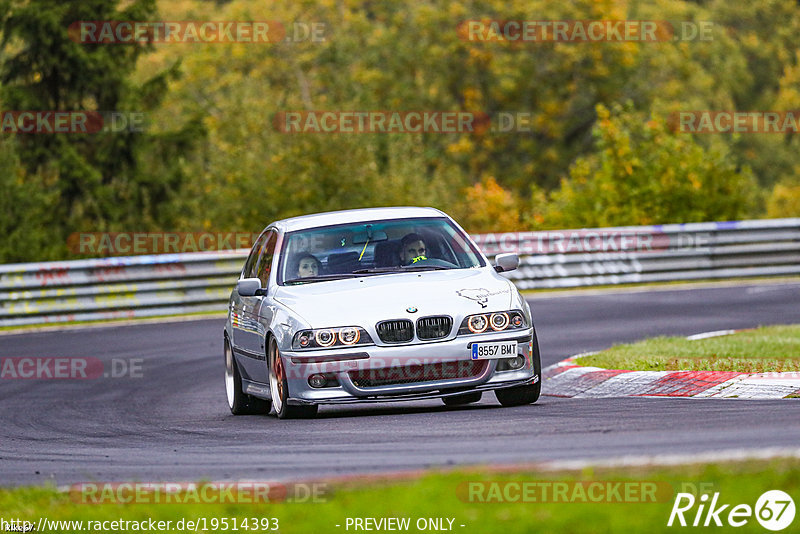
point(506, 262)
point(248, 287)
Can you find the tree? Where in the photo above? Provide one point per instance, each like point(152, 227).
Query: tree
point(105, 180)
point(24, 209)
point(490, 208)
point(784, 200)
point(643, 173)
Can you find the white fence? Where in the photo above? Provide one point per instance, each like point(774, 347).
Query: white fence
point(167, 284)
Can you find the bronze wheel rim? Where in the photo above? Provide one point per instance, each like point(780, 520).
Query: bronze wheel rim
point(276, 378)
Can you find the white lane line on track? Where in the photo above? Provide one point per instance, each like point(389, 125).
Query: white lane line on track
point(706, 335)
point(766, 288)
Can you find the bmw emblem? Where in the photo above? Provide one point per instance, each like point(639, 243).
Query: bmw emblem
point(411, 309)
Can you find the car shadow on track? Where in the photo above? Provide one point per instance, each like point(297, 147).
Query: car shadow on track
point(382, 410)
point(330, 412)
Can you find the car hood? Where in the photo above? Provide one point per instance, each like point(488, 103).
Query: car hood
point(368, 299)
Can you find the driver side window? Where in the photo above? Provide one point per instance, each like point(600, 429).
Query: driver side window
point(266, 253)
point(249, 269)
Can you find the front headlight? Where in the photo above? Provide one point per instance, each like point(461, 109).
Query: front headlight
point(492, 322)
point(325, 338)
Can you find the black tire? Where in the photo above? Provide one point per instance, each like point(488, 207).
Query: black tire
point(239, 402)
point(279, 388)
point(460, 400)
point(517, 396)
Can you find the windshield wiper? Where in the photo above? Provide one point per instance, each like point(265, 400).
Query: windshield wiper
point(413, 267)
point(319, 278)
point(403, 268)
point(376, 270)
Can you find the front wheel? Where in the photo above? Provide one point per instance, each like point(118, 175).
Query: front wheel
point(239, 402)
point(517, 396)
point(279, 388)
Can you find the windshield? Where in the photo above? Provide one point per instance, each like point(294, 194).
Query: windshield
point(375, 247)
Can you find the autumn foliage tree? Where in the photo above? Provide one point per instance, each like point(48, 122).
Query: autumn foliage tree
point(487, 207)
point(594, 150)
point(644, 173)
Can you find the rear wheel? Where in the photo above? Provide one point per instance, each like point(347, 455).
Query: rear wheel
point(459, 400)
point(517, 396)
point(279, 388)
point(239, 402)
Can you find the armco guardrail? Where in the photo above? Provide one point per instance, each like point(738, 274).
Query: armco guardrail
point(167, 284)
point(640, 254)
point(112, 288)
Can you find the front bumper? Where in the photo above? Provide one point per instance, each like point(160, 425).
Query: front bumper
point(348, 365)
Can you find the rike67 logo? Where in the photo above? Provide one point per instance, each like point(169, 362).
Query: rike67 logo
point(774, 510)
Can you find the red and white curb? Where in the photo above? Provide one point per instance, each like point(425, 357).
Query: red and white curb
point(567, 379)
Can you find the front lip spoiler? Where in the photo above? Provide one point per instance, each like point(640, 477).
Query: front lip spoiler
point(418, 396)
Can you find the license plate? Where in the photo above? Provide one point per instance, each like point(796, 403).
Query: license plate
point(494, 350)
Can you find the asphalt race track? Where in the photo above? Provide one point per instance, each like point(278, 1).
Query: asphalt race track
point(173, 423)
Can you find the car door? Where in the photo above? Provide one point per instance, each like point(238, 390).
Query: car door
point(239, 321)
point(253, 331)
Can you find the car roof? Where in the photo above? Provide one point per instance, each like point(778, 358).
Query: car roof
point(353, 216)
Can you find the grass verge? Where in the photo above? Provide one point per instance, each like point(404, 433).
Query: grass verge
point(456, 495)
point(765, 349)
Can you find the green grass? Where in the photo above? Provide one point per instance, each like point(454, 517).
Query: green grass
point(443, 495)
point(765, 349)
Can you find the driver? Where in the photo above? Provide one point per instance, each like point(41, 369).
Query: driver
point(412, 249)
